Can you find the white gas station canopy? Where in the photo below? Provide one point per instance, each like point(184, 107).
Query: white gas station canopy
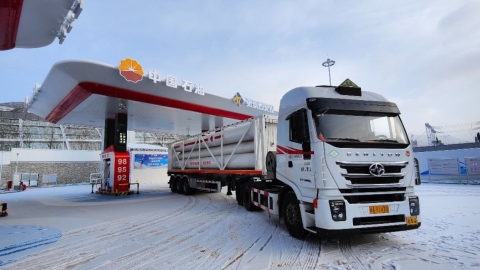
point(34, 23)
point(86, 93)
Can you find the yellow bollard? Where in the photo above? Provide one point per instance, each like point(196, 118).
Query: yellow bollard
point(4, 210)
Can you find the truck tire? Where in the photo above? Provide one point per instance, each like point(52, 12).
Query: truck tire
point(247, 200)
point(292, 215)
point(173, 184)
point(187, 190)
point(178, 182)
point(185, 187)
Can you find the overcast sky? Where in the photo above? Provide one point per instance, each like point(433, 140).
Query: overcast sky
point(422, 55)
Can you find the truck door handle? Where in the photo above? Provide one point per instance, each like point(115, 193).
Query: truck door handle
point(290, 164)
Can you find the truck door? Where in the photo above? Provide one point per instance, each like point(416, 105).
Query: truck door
point(299, 154)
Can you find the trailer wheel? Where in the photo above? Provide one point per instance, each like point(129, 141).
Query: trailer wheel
point(247, 200)
point(179, 185)
point(187, 190)
point(173, 184)
point(292, 215)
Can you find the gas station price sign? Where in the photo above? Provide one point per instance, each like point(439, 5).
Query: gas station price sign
point(122, 171)
point(118, 170)
point(121, 175)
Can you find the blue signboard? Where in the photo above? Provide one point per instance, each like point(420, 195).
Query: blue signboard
point(150, 161)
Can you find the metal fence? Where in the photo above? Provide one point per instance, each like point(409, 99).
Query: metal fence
point(453, 170)
point(446, 147)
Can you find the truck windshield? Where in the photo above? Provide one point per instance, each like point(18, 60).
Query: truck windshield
point(371, 128)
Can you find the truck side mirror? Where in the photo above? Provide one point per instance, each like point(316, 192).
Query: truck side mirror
point(418, 180)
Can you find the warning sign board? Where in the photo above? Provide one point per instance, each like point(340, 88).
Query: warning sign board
point(447, 166)
point(472, 165)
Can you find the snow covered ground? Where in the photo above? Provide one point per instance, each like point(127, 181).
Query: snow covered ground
point(67, 227)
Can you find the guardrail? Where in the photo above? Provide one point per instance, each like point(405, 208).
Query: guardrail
point(129, 184)
point(95, 177)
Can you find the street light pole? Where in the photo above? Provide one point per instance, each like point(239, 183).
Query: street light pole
point(328, 64)
point(1, 166)
point(16, 167)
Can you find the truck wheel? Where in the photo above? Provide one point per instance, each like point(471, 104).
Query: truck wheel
point(292, 215)
point(173, 184)
point(247, 200)
point(179, 185)
point(185, 186)
point(187, 190)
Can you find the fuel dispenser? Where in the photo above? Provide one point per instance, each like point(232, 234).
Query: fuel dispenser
point(116, 171)
point(115, 158)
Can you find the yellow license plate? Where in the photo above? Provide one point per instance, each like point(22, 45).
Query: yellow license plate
point(379, 209)
point(412, 221)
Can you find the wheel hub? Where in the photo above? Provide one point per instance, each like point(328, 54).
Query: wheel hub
point(290, 214)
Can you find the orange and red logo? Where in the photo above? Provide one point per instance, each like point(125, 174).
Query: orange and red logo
point(131, 70)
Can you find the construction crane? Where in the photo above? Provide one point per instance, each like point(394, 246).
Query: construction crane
point(432, 137)
point(433, 131)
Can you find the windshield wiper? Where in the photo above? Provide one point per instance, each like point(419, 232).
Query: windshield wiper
point(344, 139)
point(385, 140)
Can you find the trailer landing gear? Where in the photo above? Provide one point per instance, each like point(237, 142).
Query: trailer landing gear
point(229, 189)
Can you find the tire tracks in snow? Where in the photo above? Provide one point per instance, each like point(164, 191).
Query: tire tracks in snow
point(344, 244)
point(245, 247)
point(117, 223)
point(295, 253)
point(225, 246)
point(169, 249)
point(98, 240)
point(227, 243)
point(309, 255)
point(208, 231)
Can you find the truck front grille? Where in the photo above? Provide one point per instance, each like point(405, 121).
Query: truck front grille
point(370, 190)
point(364, 169)
point(358, 173)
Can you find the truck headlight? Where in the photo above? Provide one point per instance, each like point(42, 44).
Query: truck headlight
point(414, 206)
point(337, 208)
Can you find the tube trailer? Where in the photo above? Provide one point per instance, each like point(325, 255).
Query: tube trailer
point(335, 160)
